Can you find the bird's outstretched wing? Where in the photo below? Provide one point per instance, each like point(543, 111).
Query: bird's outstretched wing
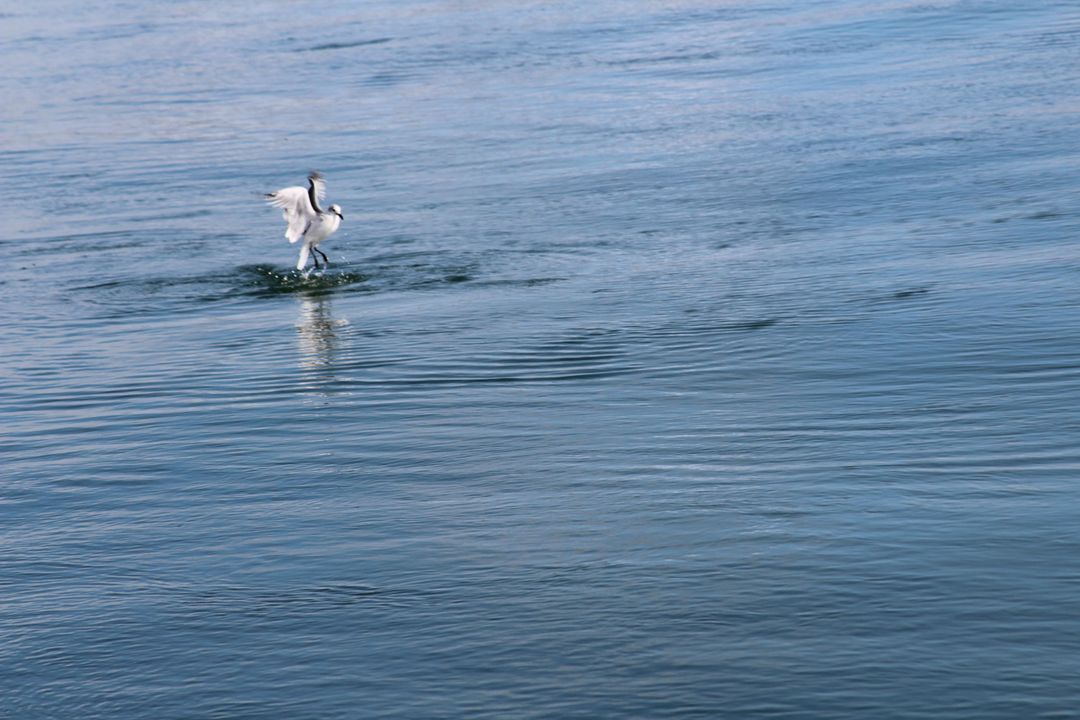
point(295, 209)
point(317, 182)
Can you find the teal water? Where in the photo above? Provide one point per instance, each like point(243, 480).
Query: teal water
point(676, 359)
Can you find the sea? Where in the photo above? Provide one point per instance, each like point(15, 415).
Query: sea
point(674, 359)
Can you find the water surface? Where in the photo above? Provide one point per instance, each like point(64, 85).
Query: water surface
point(686, 359)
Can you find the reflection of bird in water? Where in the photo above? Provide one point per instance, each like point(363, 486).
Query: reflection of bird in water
point(317, 332)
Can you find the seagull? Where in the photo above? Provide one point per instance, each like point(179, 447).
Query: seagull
point(307, 221)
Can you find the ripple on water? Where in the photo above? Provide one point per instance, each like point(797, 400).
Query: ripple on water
point(227, 602)
point(142, 295)
point(267, 280)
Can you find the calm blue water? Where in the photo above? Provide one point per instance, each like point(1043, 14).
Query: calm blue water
point(683, 359)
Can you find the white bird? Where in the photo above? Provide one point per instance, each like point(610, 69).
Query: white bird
point(306, 220)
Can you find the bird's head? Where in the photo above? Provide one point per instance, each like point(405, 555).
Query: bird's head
point(336, 209)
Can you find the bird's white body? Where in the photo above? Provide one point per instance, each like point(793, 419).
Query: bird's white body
point(322, 226)
point(306, 222)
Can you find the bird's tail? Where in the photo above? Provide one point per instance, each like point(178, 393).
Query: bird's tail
point(304, 252)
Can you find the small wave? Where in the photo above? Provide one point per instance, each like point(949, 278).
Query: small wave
point(908, 293)
point(279, 602)
point(913, 292)
point(520, 282)
point(346, 45)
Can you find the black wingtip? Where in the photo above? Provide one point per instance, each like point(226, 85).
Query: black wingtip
point(314, 175)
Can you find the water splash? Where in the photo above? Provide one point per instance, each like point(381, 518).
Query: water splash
point(267, 280)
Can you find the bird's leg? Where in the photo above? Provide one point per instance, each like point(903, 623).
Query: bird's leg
point(315, 258)
point(326, 260)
